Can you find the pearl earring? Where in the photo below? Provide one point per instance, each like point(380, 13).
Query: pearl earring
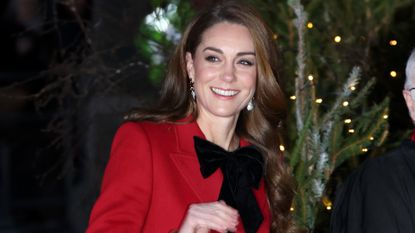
point(250, 105)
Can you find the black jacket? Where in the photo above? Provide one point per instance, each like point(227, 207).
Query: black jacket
point(379, 197)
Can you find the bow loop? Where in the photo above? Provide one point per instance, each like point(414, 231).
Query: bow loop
point(242, 170)
point(251, 163)
point(209, 164)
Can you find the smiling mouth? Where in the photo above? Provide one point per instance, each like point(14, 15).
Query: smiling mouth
point(224, 92)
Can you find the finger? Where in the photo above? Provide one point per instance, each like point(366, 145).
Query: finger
point(212, 216)
point(202, 230)
point(227, 208)
point(216, 209)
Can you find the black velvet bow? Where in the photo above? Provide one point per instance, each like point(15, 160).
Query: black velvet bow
point(242, 170)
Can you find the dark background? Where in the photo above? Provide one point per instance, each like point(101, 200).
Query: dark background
point(61, 100)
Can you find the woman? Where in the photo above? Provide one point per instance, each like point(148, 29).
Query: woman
point(220, 98)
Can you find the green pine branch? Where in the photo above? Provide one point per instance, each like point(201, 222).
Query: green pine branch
point(323, 140)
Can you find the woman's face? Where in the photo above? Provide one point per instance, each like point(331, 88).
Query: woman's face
point(224, 70)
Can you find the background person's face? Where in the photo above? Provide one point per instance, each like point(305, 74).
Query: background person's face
point(409, 97)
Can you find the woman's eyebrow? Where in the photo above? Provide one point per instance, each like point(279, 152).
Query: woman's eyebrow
point(221, 52)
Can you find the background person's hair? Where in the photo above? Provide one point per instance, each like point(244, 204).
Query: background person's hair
point(410, 71)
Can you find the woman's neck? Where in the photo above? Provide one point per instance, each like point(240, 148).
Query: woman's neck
point(220, 131)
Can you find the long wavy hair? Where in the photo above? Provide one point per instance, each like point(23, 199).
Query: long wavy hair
point(262, 126)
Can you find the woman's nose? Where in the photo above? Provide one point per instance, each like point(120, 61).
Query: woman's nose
point(228, 72)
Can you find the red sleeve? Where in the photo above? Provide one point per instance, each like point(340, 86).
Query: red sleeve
point(126, 189)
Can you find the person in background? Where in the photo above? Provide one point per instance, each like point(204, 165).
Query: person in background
point(380, 196)
point(207, 157)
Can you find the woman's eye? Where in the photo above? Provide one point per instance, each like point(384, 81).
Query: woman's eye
point(246, 62)
point(212, 59)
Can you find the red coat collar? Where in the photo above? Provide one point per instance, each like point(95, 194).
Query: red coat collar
point(413, 136)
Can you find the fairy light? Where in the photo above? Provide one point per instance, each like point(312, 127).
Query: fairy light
point(345, 103)
point(337, 39)
point(371, 138)
point(319, 100)
point(282, 148)
point(291, 209)
point(348, 121)
point(351, 130)
point(352, 88)
point(393, 74)
point(310, 77)
point(327, 203)
point(364, 149)
point(274, 36)
point(393, 42)
point(385, 116)
point(293, 97)
point(310, 25)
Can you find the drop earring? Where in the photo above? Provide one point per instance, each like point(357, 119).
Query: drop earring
point(250, 105)
point(192, 89)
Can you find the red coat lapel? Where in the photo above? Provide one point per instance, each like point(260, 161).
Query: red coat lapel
point(185, 160)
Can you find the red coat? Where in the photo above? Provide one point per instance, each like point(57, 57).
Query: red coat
point(151, 178)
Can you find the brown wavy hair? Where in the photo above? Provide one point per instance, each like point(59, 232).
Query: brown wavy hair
point(262, 125)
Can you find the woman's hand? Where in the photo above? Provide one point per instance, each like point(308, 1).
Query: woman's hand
point(202, 217)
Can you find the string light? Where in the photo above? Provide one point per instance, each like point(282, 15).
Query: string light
point(371, 138)
point(364, 149)
point(327, 203)
point(310, 25)
point(393, 74)
point(310, 77)
point(352, 88)
point(293, 97)
point(319, 100)
point(393, 42)
point(282, 148)
point(274, 36)
point(385, 116)
point(337, 39)
point(291, 209)
point(348, 121)
point(345, 103)
point(351, 130)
